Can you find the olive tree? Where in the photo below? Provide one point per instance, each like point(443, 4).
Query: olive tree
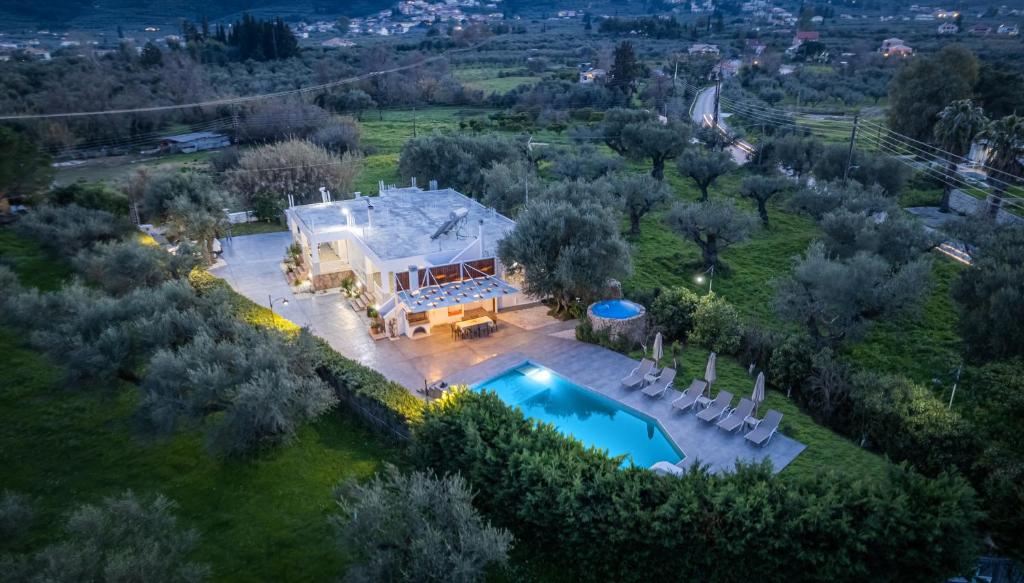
point(416, 527)
point(507, 184)
point(250, 391)
point(566, 251)
point(761, 189)
point(989, 296)
point(191, 204)
point(639, 135)
point(704, 167)
point(713, 225)
point(584, 163)
point(638, 194)
point(456, 161)
point(893, 235)
point(121, 266)
point(295, 167)
point(123, 538)
point(836, 299)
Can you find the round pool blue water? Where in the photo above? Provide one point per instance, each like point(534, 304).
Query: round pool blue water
point(616, 309)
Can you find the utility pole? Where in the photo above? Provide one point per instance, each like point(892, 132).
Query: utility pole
point(414, 121)
point(718, 94)
point(849, 155)
point(955, 383)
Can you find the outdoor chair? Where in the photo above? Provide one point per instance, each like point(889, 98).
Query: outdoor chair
point(690, 395)
point(661, 384)
point(635, 378)
point(766, 428)
point(717, 407)
point(735, 419)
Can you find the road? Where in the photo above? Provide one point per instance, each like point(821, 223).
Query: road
point(703, 113)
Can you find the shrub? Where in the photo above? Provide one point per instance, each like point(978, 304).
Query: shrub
point(791, 362)
point(579, 509)
point(716, 325)
point(251, 389)
point(416, 527)
point(121, 539)
point(69, 229)
point(91, 195)
point(907, 422)
point(338, 137)
point(121, 266)
point(673, 312)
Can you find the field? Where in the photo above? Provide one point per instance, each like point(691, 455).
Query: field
point(494, 80)
point(262, 519)
point(923, 346)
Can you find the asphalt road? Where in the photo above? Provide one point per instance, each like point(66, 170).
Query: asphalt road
point(703, 113)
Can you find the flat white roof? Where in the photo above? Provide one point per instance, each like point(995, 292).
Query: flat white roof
point(403, 221)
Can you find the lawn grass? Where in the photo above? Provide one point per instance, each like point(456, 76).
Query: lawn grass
point(489, 80)
point(34, 266)
point(826, 450)
point(259, 519)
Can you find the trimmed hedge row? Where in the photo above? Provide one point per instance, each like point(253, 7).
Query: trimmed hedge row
point(385, 405)
point(576, 508)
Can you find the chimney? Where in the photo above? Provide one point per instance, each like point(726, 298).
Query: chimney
point(480, 235)
point(414, 278)
point(433, 185)
point(369, 214)
point(413, 184)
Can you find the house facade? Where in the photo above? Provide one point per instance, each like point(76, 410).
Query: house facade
point(424, 257)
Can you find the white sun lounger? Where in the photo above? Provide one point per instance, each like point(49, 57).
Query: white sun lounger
point(734, 420)
point(716, 408)
point(690, 395)
point(661, 384)
point(635, 378)
point(766, 428)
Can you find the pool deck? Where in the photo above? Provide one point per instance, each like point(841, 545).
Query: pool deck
point(601, 370)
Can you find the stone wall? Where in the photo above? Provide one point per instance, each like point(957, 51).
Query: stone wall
point(330, 280)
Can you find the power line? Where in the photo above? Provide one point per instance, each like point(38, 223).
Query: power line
point(248, 98)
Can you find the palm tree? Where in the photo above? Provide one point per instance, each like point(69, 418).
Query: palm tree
point(1005, 139)
point(954, 132)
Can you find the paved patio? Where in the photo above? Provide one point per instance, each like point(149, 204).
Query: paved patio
point(253, 269)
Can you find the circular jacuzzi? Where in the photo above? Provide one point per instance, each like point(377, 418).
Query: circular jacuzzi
point(619, 317)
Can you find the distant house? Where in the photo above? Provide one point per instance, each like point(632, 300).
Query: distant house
point(337, 43)
point(948, 28)
point(703, 49)
point(1008, 29)
point(194, 142)
point(803, 36)
point(895, 47)
point(592, 75)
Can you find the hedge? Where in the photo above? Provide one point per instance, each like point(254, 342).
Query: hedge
point(576, 508)
point(386, 406)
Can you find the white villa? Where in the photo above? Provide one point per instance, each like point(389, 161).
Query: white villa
point(424, 257)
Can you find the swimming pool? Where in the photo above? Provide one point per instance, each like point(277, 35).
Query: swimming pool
point(616, 309)
point(593, 419)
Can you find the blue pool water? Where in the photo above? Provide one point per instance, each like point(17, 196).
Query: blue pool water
point(616, 309)
point(593, 419)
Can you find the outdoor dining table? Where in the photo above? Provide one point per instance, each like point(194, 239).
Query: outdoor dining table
point(474, 325)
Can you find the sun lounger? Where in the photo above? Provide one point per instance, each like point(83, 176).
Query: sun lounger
point(734, 420)
point(717, 407)
point(661, 384)
point(689, 396)
point(766, 428)
point(635, 379)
